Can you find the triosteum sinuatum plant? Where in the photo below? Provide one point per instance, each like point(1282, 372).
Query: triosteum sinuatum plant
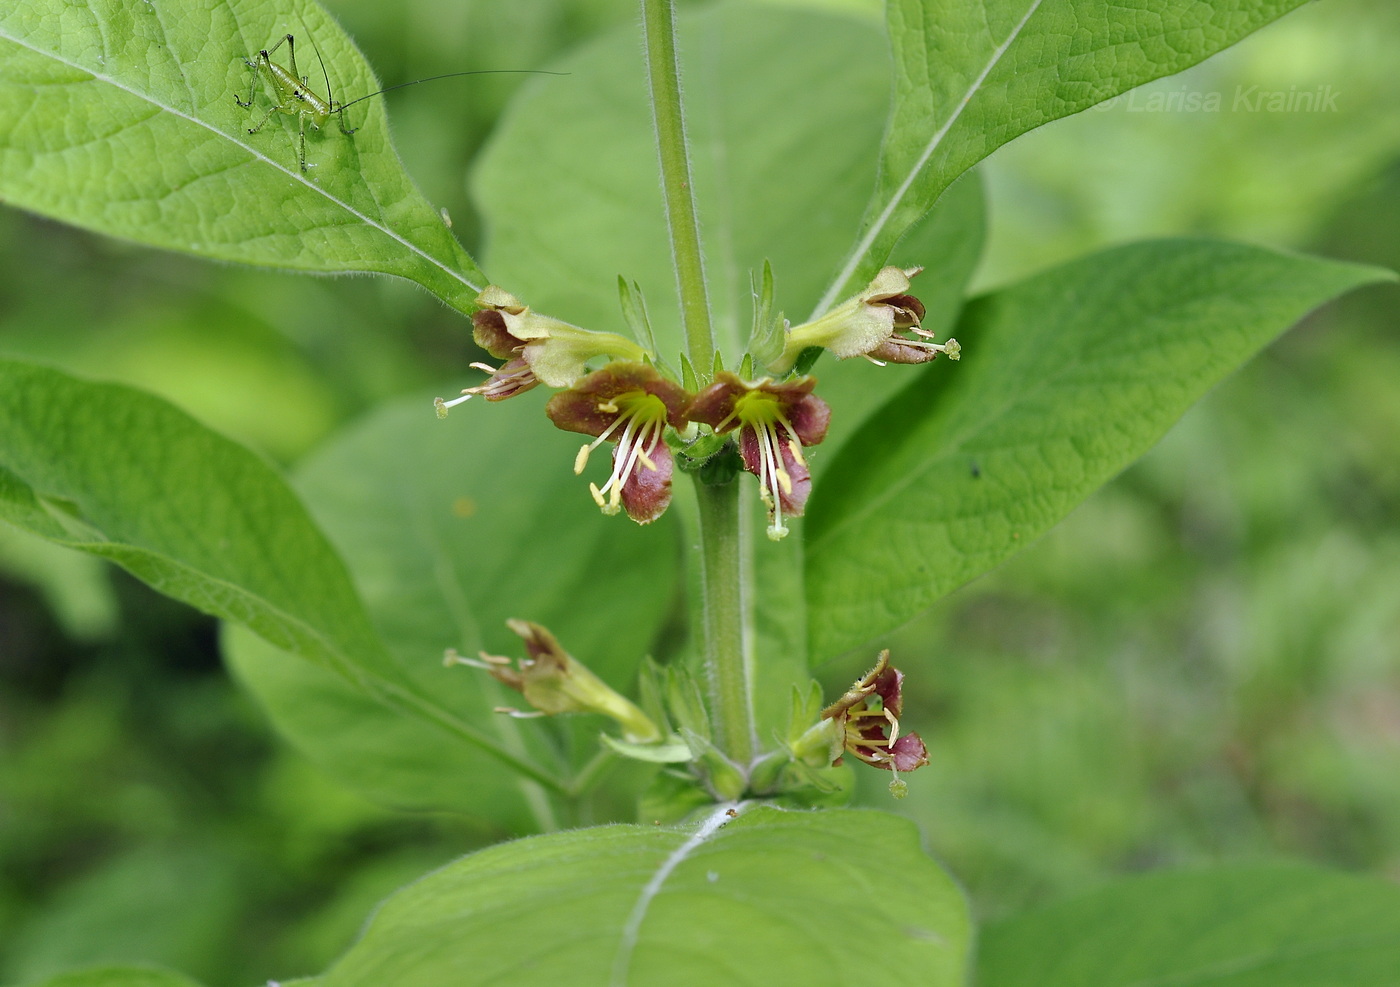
point(632, 701)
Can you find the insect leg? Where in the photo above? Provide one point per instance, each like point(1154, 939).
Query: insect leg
point(265, 60)
point(301, 143)
point(279, 44)
point(292, 56)
point(252, 86)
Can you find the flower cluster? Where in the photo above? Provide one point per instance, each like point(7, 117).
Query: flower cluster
point(632, 404)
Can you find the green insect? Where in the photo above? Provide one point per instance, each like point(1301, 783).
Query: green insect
point(292, 93)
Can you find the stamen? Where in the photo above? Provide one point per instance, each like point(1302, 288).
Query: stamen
point(517, 714)
point(442, 405)
point(607, 508)
point(639, 434)
point(485, 661)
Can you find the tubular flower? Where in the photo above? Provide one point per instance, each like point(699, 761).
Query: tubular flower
point(553, 681)
point(868, 715)
point(536, 349)
point(872, 324)
point(774, 421)
point(629, 404)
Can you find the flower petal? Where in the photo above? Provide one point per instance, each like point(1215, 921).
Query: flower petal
point(490, 332)
point(589, 406)
point(908, 752)
point(646, 493)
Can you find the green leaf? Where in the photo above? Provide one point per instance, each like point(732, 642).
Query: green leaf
point(971, 76)
point(785, 110)
point(1271, 925)
point(769, 897)
point(127, 477)
point(451, 528)
point(1066, 378)
point(124, 476)
point(118, 976)
point(121, 118)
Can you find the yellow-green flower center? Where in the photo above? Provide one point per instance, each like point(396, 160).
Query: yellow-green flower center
point(641, 420)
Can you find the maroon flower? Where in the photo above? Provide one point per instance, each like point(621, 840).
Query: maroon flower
point(553, 681)
point(629, 404)
point(869, 717)
point(775, 420)
point(882, 324)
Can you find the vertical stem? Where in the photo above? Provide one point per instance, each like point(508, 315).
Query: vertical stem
point(720, 555)
point(663, 74)
point(722, 620)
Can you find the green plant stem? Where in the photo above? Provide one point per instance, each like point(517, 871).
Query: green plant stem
point(663, 74)
point(721, 560)
point(722, 620)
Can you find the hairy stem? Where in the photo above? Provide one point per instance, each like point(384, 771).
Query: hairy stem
point(721, 560)
point(663, 74)
point(722, 620)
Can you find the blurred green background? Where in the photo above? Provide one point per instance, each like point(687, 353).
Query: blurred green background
point(1202, 663)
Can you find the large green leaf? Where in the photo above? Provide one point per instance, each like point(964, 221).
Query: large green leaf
point(121, 118)
point(125, 476)
point(1066, 379)
point(766, 898)
point(1257, 926)
point(450, 528)
point(971, 75)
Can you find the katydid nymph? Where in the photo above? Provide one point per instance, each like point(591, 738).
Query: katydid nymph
point(293, 95)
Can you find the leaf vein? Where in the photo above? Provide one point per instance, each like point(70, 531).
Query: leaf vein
point(627, 945)
point(868, 239)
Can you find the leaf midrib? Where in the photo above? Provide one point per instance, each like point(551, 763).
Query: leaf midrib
point(627, 942)
point(867, 240)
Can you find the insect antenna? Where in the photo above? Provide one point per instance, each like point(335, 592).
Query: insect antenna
point(449, 75)
point(330, 96)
